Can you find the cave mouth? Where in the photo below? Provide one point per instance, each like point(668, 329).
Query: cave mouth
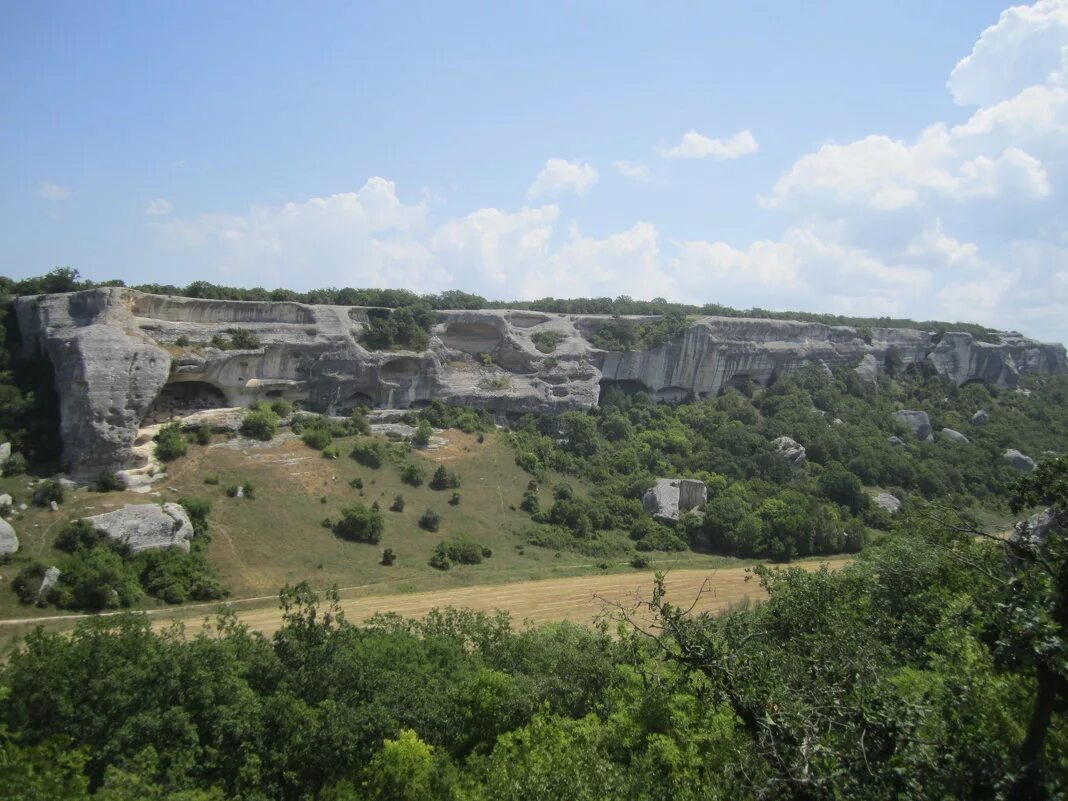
point(626, 386)
point(472, 338)
point(356, 399)
point(181, 398)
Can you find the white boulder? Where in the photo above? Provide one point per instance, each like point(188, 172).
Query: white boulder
point(147, 526)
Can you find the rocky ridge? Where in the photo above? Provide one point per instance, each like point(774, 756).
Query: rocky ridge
point(118, 364)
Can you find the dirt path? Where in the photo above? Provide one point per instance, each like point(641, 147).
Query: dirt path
point(583, 599)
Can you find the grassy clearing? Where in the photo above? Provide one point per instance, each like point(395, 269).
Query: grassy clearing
point(277, 537)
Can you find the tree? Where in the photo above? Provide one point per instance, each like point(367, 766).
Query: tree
point(423, 432)
point(360, 523)
point(170, 444)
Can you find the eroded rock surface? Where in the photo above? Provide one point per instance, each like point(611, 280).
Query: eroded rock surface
point(118, 364)
point(955, 436)
point(9, 542)
point(670, 497)
point(884, 500)
point(918, 422)
point(1025, 464)
point(791, 450)
point(980, 418)
point(147, 526)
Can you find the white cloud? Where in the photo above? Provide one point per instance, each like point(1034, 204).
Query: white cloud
point(498, 246)
point(698, 146)
point(1026, 47)
point(634, 170)
point(560, 176)
point(159, 207)
point(51, 191)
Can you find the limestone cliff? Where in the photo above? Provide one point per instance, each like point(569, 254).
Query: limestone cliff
point(119, 364)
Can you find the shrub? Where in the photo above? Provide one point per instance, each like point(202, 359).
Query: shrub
point(429, 520)
point(28, 582)
point(388, 557)
point(109, 482)
point(440, 560)
point(281, 407)
point(317, 438)
point(16, 465)
point(211, 478)
point(203, 434)
point(249, 490)
point(78, 534)
point(546, 341)
point(413, 474)
point(46, 492)
point(423, 432)
point(175, 577)
point(243, 339)
point(220, 342)
point(639, 562)
point(444, 479)
point(398, 504)
point(356, 483)
point(459, 551)
point(260, 423)
point(369, 454)
point(332, 452)
point(182, 341)
point(170, 444)
point(199, 510)
point(359, 523)
point(530, 503)
point(232, 490)
point(455, 499)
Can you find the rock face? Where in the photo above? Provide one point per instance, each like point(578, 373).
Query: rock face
point(118, 364)
point(147, 526)
point(9, 542)
point(980, 418)
point(5, 453)
point(790, 450)
point(1036, 528)
point(895, 441)
point(868, 369)
point(954, 436)
point(48, 581)
point(1025, 464)
point(890, 503)
point(670, 497)
point(918, 422)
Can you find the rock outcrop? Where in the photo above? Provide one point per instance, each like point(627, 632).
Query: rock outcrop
point(48, 581)
point(9, 542)
point(884, 500)
point(954, 436)
point(1036, 529)
point(119, 365)
point(5, 453)
point(1025, 464)
point(980, 418)
point(918, 422)
point(670, 497)
point(147, 526)
point(791, 450)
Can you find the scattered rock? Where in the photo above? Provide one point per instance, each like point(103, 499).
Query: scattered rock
point(9, 542)
point(980, 418)
point(48, 581)
point(890, 503)
point(147, 526)
point(868, 369)
point(240, 491)
point(791, 450)
point(1035, 529)
point(1025, 464)
point(669, 497)
point(896, 441)
point(5, 500)
point(955, 436)
point(53, 506)
point(23, 507)
point(918, 422)
point(5, 453)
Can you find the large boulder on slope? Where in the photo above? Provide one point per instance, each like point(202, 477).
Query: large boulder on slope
point(884, 500)
point(918, 422)
point(9, 542)
point(670, 497)
point(791, 450)
point(980, 418)
point(1025, 464)
point(955, 436)
point(147, 526)
point(868, 369)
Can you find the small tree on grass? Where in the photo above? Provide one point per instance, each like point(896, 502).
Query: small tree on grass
point(170, 444)
point(388, 557)
point(413, 474)
point(430, 520)
point(444, 479)
point(421, 437)
point(398, 504)
point(260, 422)
point(359, 523)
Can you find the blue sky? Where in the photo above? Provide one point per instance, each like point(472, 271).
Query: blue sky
point(901, 158)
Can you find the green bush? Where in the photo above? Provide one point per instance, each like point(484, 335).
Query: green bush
point(444, 479)
point(175, 577)
point(211, 478)
point(27, 582)
point(203, 434)
point(423, 432)
point(547, 341)
point(15, 465)
point(369, 454)
point(458, 550)
point(46, 492)
point(317, 438)
point(281, 407)
point(455, 499)
point(78, 534)
point(260, 423)
point(388, 557)
point(398, 504)
point(413, 474)
point(243, 339)
point(107, 481)
point(359, 523)
point(170, 443)
point(429, 520)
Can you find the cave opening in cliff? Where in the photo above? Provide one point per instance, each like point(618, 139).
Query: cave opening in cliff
point(181, 398)
point(356, 399)
point(611, 388)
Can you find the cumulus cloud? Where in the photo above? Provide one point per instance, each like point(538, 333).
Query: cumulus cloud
point(51, 191)
point(698, 146)
point(159, 207)
point(560, 176)
point(634, 170)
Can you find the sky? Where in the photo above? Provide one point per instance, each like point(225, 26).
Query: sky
point(905, 159)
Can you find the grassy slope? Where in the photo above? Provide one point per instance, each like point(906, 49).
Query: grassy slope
point(261, 544)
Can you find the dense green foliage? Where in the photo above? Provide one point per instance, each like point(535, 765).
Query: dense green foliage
point(170, 443)
point(260, 422)
point(931, 668)
point(360, 523)
point(546, 341)
point(460, 551)
point(402, 328)
point(97, 573)
point(620, 333)
point(759, 504)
